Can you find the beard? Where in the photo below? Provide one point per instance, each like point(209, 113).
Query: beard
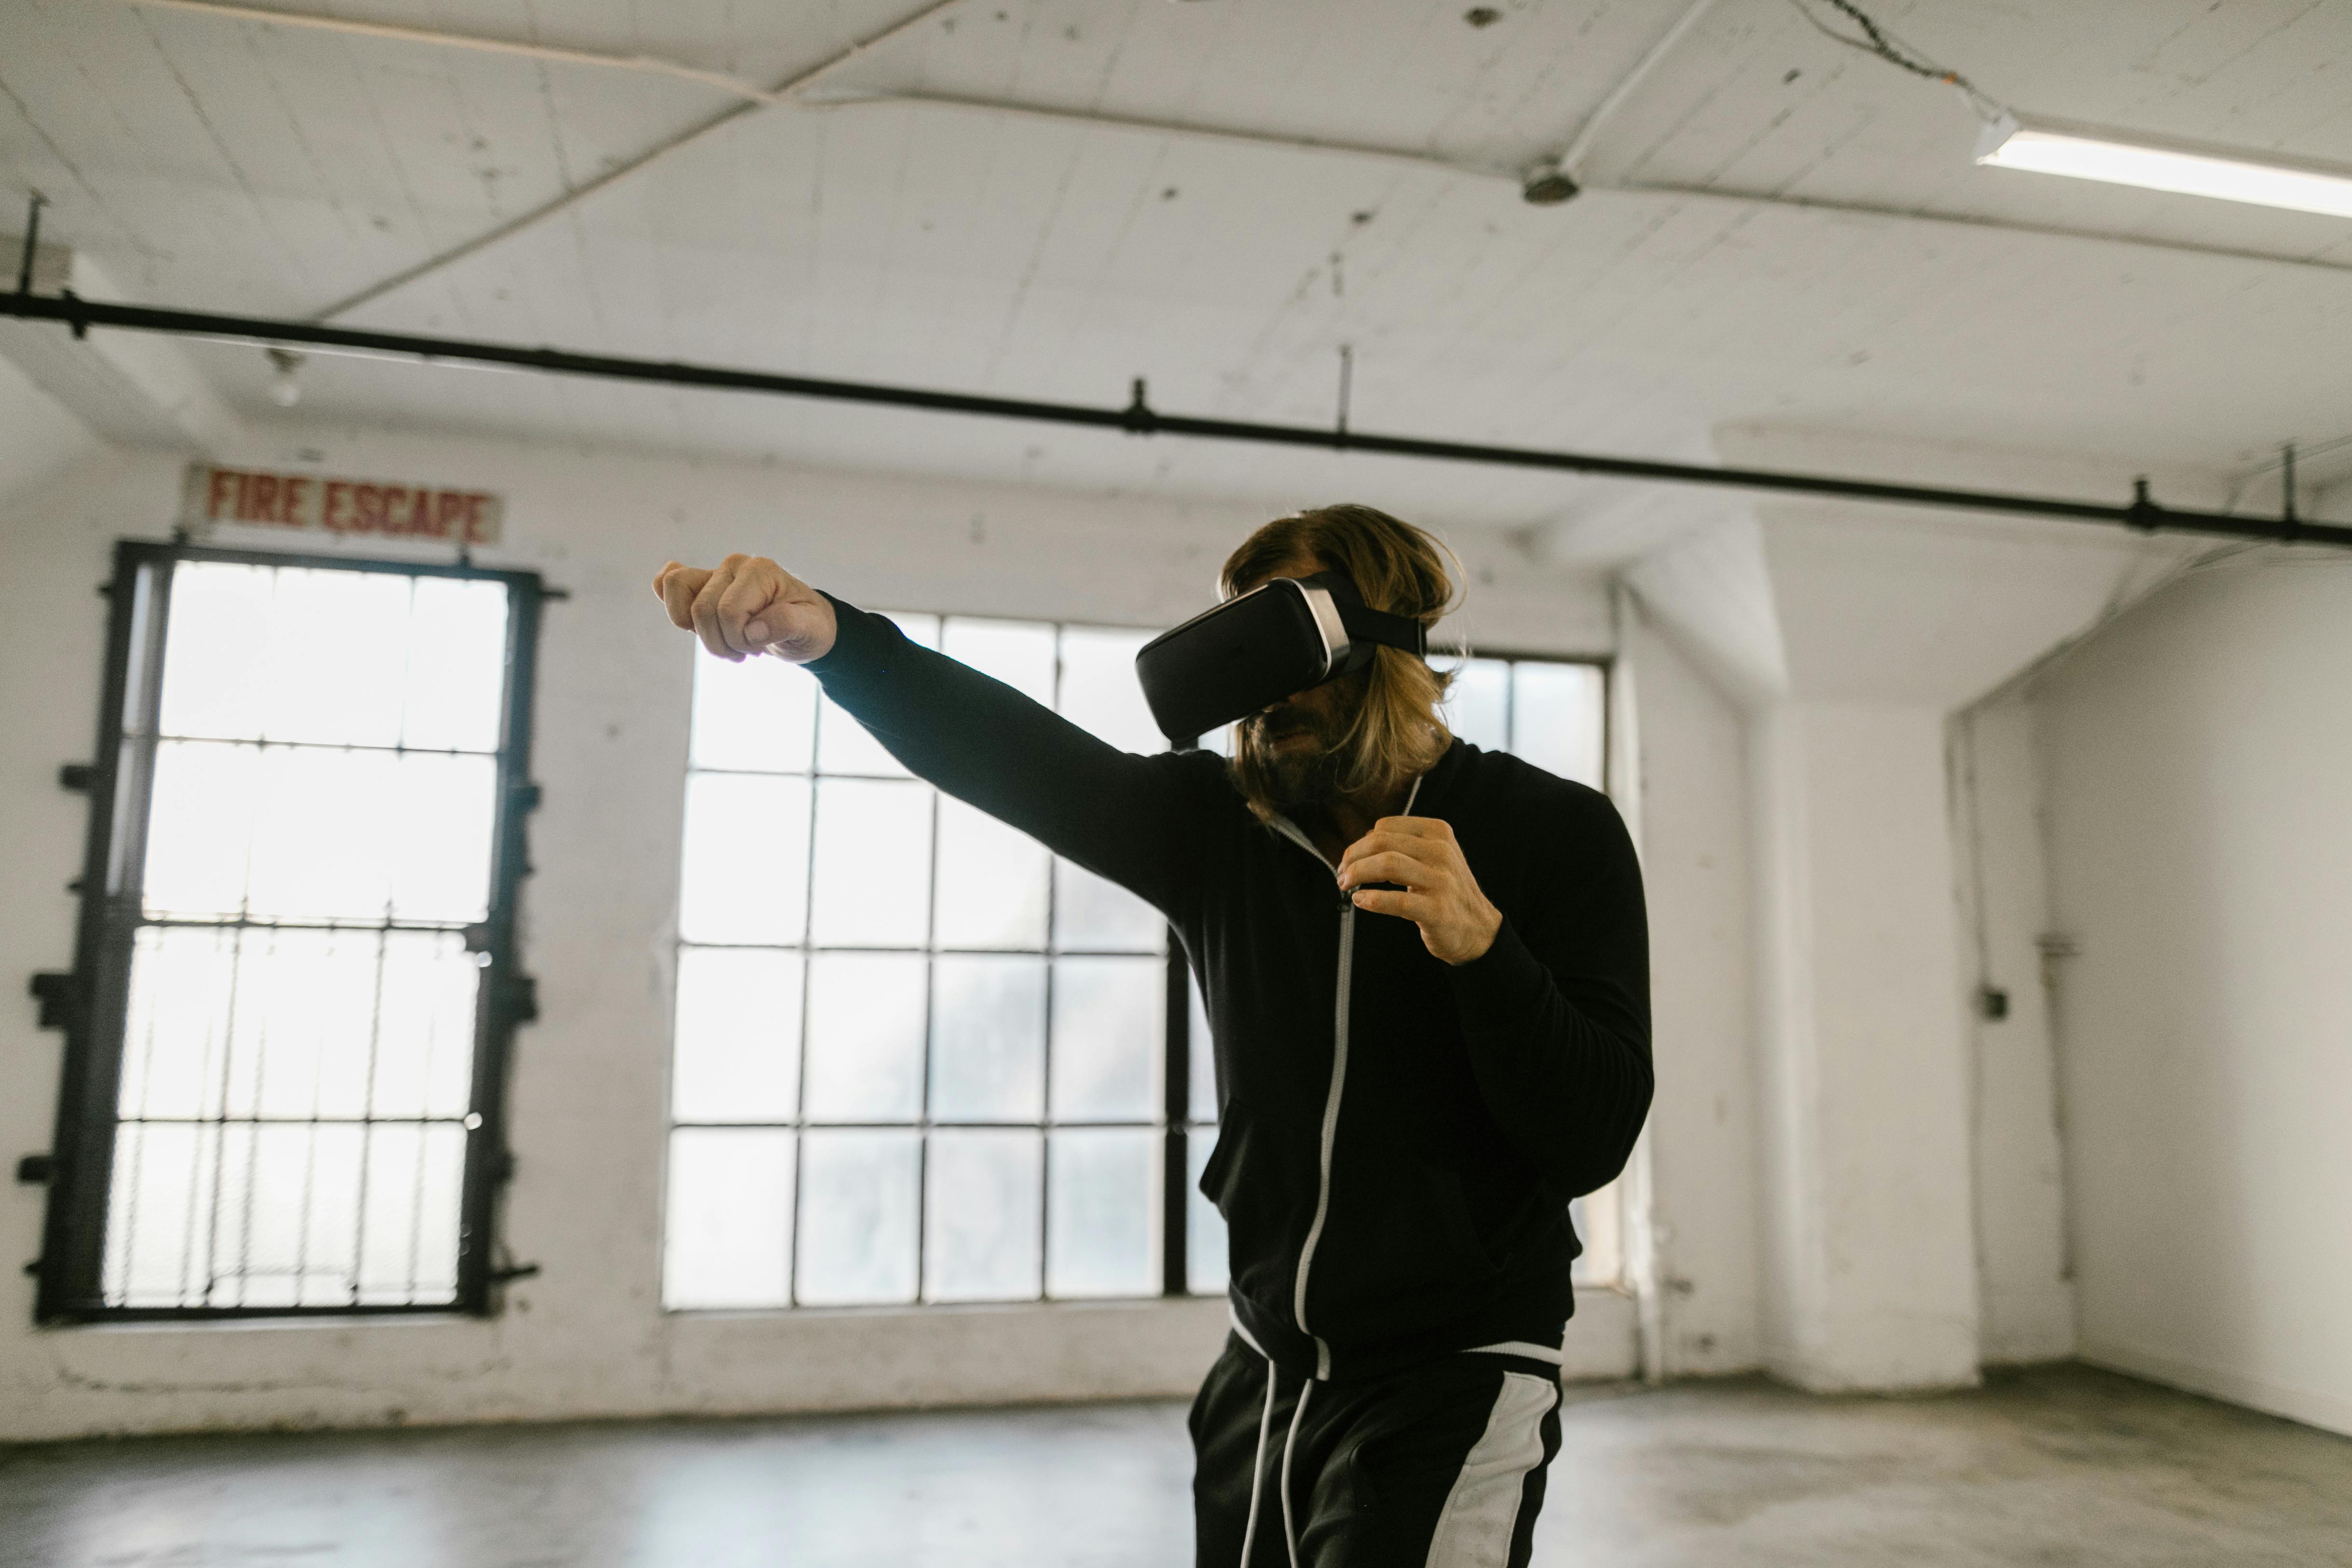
point(1293, 763)
point(1292, 779)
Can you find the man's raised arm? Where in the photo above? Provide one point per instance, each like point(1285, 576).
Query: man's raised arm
point(1121, 816)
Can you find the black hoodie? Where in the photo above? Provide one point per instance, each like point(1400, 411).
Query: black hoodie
point(1399, 1139)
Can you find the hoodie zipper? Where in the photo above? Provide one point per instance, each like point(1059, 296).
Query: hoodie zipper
point(1330, 1134)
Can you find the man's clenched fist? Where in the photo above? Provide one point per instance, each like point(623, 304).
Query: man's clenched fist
point(750, 604)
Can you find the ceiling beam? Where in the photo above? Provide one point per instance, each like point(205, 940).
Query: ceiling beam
point(1571, 157)
point(480, 43)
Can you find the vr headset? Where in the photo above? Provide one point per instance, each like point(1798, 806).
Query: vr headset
point(1256, 648)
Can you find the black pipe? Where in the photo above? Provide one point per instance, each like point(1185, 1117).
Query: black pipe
point(1139, 419)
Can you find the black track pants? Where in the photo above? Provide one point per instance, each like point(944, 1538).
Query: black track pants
point(1440, 1465)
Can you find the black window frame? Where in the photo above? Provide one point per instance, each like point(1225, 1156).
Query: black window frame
point(91, 1003)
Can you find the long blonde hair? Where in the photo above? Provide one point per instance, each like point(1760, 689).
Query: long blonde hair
point(1395, 731)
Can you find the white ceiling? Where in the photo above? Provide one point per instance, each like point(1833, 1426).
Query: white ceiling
point(245, 167)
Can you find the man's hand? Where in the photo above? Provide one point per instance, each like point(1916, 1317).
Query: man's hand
point(1458, 924)
point(750, 604)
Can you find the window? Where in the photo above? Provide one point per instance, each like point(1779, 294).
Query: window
point(295, 978)
point(918, 1058)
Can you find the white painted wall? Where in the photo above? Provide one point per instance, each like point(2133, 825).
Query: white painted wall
point(1906, 1161)
point(2025, 1291)
point(2198, 758)
point(1869, 1262)
point(1701, 1203)
point(39, 439)
point(587, 1337)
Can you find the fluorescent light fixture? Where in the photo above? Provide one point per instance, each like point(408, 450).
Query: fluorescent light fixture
point(2085, 152)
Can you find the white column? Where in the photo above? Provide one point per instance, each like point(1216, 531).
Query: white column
point(1869, 1272)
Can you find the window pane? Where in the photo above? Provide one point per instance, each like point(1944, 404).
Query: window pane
point(297, 1022)
point(1018, 652)
point(327, 1260)
point(864, 1038)
point(1202, 1057)
point(456, 664)
point(858, 1217)
point(175, 1035)
point(1204, 1227)
point(1092, 915)
point(1108, 1013)
point(737, 1051)
point(286, 1223)
point(312, 834)
point(1477, 706)
point(424, 1026)
point(302, 1038)
point(729, 1234)
point(441, 837)
point(981, 1229)
point(159, 1226)
point(408, 1223)
point(990, 882)
point(758, 716)
point(217, 650)
point(872, 883)
point(315, 695)
point(745, 860)
point(1555, 719)
point(1100, 1209)
point(200, 829)
point(440, 1197)
point(1100, 691)
point(843, 746)
point(326, 824)
point(988, 1038)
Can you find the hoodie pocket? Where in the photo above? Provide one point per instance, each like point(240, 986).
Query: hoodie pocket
point(1217, 1170)
point(1399, 1249)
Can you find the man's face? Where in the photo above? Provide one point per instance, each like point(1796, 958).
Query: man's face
point(1295, 741)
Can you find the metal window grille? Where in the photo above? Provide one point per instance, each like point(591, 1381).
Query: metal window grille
point(858, 1115)
point(295, 974)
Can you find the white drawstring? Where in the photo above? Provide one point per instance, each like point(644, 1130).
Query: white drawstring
point(1257, 1468)
point(1289, 1534)
point(1257, 1465)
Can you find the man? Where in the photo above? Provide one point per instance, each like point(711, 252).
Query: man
point(1426, 973)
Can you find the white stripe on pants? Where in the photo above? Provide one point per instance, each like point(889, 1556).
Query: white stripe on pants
point(1474, 1530)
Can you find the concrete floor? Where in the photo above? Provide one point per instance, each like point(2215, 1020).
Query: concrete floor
point(2055, 1466)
